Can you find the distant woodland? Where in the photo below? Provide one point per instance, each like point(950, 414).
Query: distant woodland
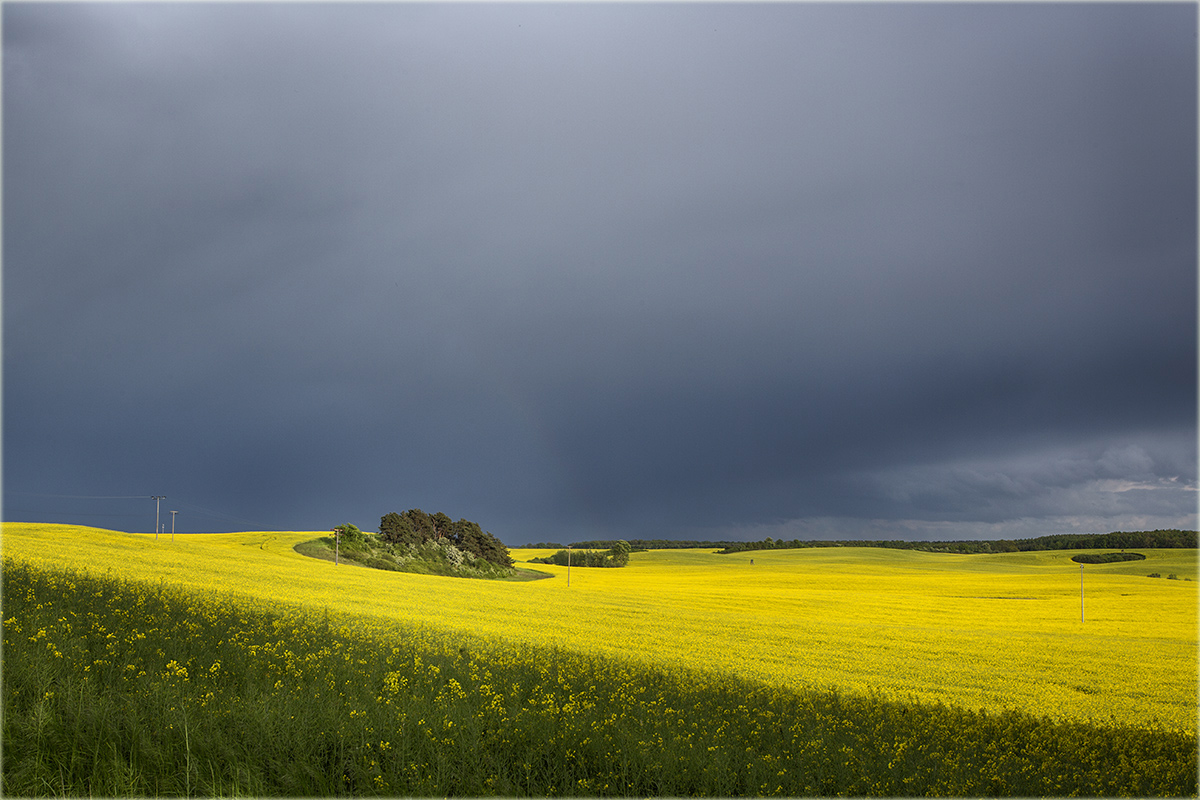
point(1064, 541)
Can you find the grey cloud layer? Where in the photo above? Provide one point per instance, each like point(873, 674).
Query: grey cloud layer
point(605, 268)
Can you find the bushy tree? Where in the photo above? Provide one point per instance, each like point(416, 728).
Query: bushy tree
point(349, 534)
point(470, 537)
point(422, 524)
point(397, 529)
point(442, 526)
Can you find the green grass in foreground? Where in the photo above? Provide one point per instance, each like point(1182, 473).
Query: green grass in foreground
point(120, 688)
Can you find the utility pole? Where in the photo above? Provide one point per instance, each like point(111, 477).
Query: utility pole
point(173, 513)
point(157, 498)
point(1081, 592)
point(568, 566)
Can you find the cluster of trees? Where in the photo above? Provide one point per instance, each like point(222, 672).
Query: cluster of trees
point(1064, 541)
point(616, 556)
point(415, 527)
point(1106, 558)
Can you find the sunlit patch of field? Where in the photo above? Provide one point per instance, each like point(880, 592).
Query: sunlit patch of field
point(990, 632)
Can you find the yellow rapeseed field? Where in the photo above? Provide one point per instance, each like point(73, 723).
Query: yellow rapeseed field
point(986, 632)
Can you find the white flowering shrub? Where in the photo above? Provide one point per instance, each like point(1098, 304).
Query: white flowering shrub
point(453, 555)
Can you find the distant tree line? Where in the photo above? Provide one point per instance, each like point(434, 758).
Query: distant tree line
point(616, 556)
point(1118, 539)
point(1065, 541)
point(415, 527)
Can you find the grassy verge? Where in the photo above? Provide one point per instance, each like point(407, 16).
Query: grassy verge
point(426, 559)
point(122, 688)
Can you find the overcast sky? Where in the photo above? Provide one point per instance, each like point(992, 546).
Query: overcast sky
point(583, 271)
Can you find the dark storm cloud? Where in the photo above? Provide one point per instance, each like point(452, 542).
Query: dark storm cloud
point(584, 270)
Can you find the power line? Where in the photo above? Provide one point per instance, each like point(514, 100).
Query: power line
point(210, 512)
point(253, 524)
point(8, 512)
point(85, 496)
